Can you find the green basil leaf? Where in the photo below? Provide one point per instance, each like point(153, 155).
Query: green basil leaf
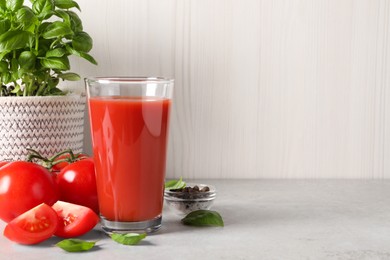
point(75, 21)
point(27, 60)
point(60, 63)
point(3, 66)
point(4, 54)
point(58, 52)
point(88, 57)
point(203, 218)
point(44, 46)
point(128, 239)
point(52, 82)
point(42, 27)
point(40, 6)
point(5, 78)
point(16, 89)
point(55, 92)
point(75, 245)
point(57, 29)
point(13, 40)
point(5, 25)
point(69, 76)
point(2, 4)
point(26, 16)
point(64, 15)
point(82, 42)
point(175, 184)
point(21, 72)
point(81, 54)
point(43, 8)
point(13, 5)
point(66, 4)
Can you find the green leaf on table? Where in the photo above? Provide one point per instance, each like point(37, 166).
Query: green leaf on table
point(128, 239)
point(175, 184)
point(203, 218)
point(75, 245)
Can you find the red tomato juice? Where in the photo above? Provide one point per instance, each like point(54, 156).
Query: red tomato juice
point(129, 144)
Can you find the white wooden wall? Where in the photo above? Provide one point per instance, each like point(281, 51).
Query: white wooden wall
point(264, 88)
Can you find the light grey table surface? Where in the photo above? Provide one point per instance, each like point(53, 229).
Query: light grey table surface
point(264, 219)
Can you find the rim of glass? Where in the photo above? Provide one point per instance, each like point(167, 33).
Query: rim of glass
point(129, 80)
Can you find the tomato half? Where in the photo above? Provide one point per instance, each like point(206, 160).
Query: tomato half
point(33, 226)
point(77, 184)
point(24, 185)
point(74, 220)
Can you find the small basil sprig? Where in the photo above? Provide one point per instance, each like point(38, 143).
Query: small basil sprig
point(175, 184)
point(128, 239)
point(36, 42)
point(203, 218)
point(75, 245)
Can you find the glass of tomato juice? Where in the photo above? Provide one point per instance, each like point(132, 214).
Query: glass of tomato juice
point(129, 120)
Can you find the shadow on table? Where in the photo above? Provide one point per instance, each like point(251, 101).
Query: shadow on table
point(93, 235)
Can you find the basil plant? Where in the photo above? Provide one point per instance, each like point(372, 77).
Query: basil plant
point(35, 45)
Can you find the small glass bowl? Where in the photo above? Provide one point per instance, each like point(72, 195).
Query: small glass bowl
point(182, 203)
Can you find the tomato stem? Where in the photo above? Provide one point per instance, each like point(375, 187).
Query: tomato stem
point(33, 154)
point(52, 161)
point(68, 151)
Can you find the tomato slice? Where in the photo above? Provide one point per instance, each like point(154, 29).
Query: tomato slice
point(33, 226)
point(74, 220)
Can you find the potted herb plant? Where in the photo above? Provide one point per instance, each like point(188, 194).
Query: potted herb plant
point(35, 44)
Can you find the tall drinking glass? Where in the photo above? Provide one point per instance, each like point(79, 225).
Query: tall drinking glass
point(129, 128)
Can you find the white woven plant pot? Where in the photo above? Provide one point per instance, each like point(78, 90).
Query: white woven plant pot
point(47, 124)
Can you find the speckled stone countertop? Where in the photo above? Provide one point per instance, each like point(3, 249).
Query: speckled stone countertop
point(264, 219)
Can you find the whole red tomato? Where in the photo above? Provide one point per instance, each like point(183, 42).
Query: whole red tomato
point(3, 163)
point(24, 185)
point(61, 165)
point(77, 184)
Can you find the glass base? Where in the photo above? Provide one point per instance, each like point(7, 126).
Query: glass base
point(148, 226)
